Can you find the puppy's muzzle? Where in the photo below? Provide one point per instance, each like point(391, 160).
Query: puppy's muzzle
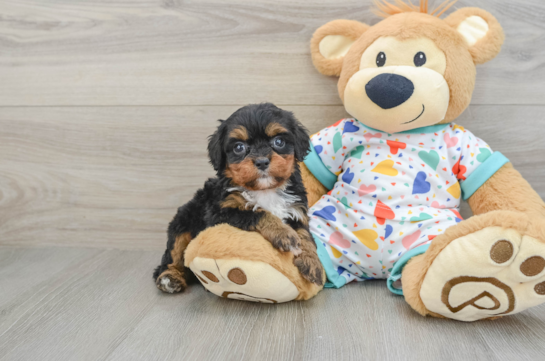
point(262, 163)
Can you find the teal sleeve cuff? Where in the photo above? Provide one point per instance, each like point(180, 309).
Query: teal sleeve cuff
point(483, 173)
point(398, 267)
point(334, 280)
point(319, 170)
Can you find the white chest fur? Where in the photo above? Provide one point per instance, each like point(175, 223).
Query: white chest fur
point(277, 201)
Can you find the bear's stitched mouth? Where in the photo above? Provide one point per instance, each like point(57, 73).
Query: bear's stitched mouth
point(423, 109)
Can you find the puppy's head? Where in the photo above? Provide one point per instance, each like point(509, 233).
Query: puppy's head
point(258, 146)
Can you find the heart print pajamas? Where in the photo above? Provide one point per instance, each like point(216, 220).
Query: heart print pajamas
point(390, 194)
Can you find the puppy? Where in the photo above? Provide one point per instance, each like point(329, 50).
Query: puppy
point(258, 187)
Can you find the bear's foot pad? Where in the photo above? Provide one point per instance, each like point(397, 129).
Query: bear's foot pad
point(244, 280)
point(486, 274)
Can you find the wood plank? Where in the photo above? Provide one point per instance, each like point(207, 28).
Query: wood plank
point(26, 276)
point(103, 176)
point(107, 308)
point(216, 52)
point(114, 176)
point(83, 311)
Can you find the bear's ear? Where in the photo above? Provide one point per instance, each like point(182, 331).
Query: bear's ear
point(482, 32)
point(331, 42)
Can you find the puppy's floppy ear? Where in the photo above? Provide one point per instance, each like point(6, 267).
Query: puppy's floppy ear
point(215, 147)
point(302, 139)
point(480, 29)
point(331, 42)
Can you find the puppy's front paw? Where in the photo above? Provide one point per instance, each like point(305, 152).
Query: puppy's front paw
point(285, 239)
point(310, 267)
point(170, 283)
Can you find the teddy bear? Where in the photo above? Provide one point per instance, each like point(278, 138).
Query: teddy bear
point(384, 187)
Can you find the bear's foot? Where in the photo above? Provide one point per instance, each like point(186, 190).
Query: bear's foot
point(244, 280)
point(241, 265)
point(492, 272)
point(487, 273)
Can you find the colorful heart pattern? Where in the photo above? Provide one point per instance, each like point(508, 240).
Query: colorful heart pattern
point(383, 212)
point(450, 141)
point(337, 239)
point(357, 152)
point(420, 186)
point(337, 142)
point(350, 128)
point(366, 189)
point(422, 217)
point(455, 190)
point(368, 238)
point(484, 154)
point(369, 136)
point(326, 213)
point(459, 170)
point(394, 192)
point(386, 167)
point(408, 241)
point(347, 176)
point(431, 158)
point(395, 146)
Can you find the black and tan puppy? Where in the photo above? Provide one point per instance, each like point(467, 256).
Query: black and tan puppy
point(258, 187)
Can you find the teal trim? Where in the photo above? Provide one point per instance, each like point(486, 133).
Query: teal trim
point(319, 170)
point(429, 129)
point(483, 173)
point(334, 280)
point(398, 267)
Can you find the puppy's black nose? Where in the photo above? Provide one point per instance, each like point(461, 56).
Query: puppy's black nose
point(262, 163)
point(389, 90)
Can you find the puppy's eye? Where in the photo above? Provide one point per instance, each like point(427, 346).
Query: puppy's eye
point(239, 148)
point(420, 59)
point(279, 143)
point(381, 59)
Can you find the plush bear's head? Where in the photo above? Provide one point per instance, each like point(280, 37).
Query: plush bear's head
point(410, 70)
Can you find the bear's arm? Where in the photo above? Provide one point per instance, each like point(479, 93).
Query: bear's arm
point(315, 189)
point(507, 190)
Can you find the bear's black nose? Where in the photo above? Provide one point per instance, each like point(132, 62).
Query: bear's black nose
point(262, 163)
point(389, 90)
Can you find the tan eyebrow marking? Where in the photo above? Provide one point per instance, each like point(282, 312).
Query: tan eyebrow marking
point(274, 129)
point(239, 133)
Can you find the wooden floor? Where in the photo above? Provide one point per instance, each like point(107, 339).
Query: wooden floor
point(97, 304)
point(105, 107)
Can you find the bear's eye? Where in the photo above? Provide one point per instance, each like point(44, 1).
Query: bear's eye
point(420, 59)
point(381, 59)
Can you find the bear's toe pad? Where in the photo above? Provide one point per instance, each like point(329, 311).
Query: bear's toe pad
point(244, 280)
